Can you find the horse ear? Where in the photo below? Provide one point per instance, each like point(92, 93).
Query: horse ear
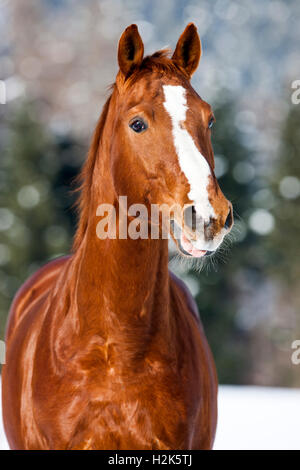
point(131, 50)
point(188, 50)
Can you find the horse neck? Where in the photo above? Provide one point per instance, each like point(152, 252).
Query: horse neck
point(124, 282)
point(122, 286)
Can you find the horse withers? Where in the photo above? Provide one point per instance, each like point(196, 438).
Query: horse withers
point(105, 349)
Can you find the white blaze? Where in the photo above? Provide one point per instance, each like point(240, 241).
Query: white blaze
point(192, 162)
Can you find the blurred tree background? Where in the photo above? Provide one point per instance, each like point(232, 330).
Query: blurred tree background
point(36, 218)
point(249, 296)
point(58, 58)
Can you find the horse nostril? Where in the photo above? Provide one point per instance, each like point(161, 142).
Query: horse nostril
point(194, 218)
point(228, 221)
point(190, 217)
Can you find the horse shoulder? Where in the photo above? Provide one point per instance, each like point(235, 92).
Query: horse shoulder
point(31, 291)
point(189, 300)
point(203, 359)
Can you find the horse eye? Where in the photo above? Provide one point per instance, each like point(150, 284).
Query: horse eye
point(211, 123)
point(138, 125)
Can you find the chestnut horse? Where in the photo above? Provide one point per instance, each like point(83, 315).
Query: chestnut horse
point(105, 349)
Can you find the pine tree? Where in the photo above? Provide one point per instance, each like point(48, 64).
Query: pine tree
point(284, 246)
point(36, 225)
point(218, 286)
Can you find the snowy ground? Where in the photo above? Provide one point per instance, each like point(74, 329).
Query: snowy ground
point(258, 418)
point(251, 418)
point(3, 442)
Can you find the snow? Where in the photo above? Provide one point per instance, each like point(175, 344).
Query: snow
point(257, 418)
point(251, 418)
point(3, 441)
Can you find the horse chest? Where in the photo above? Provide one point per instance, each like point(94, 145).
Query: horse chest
point(141, 415)
point(154, 408)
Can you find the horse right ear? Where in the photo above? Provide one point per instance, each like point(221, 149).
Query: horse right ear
point(188, 50)
point(131, 50)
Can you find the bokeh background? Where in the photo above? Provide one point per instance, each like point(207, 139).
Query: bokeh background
point(57, 59)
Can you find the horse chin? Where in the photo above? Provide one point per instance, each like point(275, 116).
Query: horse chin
point(187, 248)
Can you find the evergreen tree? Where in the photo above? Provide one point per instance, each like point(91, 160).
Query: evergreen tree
point(217, 286)
point(36, 225)
point(286, 188)
point(284, 246)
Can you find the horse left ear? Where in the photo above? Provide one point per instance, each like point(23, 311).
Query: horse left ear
point(131, 50)
point(188, 50)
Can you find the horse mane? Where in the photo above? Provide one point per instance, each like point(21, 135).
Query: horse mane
point(159, 62)
point(85, 178)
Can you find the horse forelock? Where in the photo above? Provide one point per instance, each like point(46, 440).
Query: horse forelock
point(160, 63)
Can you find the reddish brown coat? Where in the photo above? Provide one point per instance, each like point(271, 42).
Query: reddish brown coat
point(104, 348)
